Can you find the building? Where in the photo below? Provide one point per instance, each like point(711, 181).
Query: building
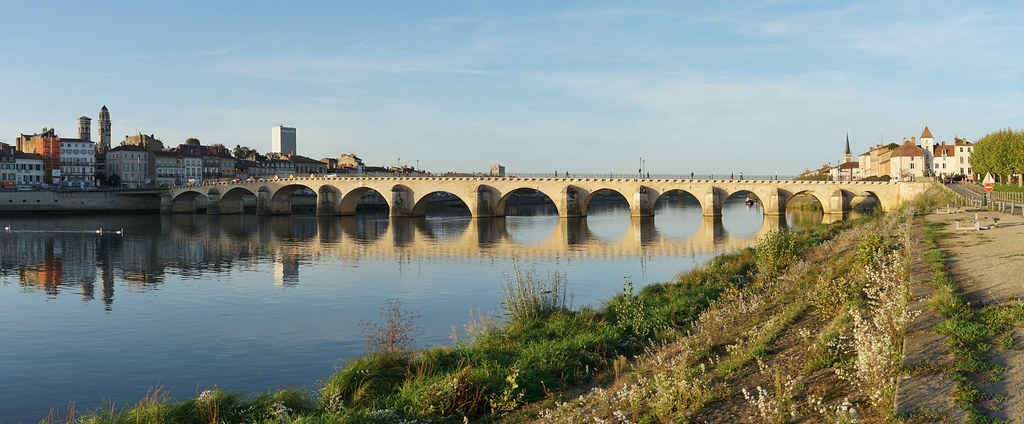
point(273, 165)
point(306, 166)
point(148, 141)
point(193, 167)
point(963, 157)
point(132, 164)
point(282, 140)
point(170, 168)
point(8, 167)
point(907, 162)
point(27, 143)
point(104, 130)
point(944, 160)
point(49, 149)
point(77, 163)
point(85, 128)
point(30, 169)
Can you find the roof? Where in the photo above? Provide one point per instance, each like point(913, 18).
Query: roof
point(849, 165)
point(926, 133)
point(908, 149)
point(847, 151)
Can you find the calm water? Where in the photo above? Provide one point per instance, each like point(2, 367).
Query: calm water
point(255, 303)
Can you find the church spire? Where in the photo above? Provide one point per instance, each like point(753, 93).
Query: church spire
point(847, 154)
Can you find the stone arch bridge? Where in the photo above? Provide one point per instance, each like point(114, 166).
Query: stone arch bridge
point(486, 196)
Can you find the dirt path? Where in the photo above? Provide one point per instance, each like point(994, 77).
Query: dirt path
point(988, 265)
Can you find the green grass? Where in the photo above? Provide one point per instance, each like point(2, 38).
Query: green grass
point(1008, 188)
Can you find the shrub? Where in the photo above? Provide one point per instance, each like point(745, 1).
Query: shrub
point(526, 295)
point(634, 316)
point(775, 251)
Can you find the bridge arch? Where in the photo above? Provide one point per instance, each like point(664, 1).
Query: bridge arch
point(281, 200)
point(421, 205)
point(823, 201)
point(863, 200)
point(350, 201)
point(233, 200)
point(585, 202)
point(188, 201)
point(500, 207)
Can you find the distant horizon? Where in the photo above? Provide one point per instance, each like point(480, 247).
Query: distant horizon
point(589, 87)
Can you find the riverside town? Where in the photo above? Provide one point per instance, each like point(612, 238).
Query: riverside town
point(511, 212)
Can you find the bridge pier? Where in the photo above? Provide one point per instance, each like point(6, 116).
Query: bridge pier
point(775, 202)
point(838, 203)
point(402, 201)
point(212, 205)
point(713, 199)
point(570, 203)
point(263, 202)
point(166, 203)
point(486, 202)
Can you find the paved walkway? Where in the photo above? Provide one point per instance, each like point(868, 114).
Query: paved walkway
point(989, 267)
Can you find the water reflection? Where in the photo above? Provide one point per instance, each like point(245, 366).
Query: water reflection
point(69, 256)
point(250, 302)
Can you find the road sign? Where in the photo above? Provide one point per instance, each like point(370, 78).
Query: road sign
point(988, 186)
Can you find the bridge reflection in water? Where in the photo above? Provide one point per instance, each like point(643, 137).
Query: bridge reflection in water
point(212, 299)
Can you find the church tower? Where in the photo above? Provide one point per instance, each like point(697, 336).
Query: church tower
point(104, 143)
point(84, 128)
point(847, 154)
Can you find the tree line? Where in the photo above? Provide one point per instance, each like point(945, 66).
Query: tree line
point(1001, 154)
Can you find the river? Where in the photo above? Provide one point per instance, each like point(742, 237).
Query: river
point(253, 303)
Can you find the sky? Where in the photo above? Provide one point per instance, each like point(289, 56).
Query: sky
point(537, 86)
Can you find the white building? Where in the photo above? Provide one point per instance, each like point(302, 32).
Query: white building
point(29, 169)
point(963, 156)
point(77, 163)
point(193, 165)
point(282, 140)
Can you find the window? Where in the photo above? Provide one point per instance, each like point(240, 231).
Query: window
point(911, 165)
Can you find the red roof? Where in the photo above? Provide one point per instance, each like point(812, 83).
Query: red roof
point(926, 133)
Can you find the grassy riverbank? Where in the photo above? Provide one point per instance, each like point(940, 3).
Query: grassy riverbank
point(685, 348)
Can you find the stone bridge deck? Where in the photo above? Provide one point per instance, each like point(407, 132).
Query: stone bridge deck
point(486, 197)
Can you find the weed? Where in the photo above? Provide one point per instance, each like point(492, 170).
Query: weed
point(527, 295)
point(397, 334)
point(775, 251)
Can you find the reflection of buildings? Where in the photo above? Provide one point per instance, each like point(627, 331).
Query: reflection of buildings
point(54, 260)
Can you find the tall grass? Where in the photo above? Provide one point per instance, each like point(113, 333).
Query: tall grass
point(527, 295)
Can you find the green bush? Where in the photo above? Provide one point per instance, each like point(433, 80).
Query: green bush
point(634, 316)
point(775, 251)
point(363, 380)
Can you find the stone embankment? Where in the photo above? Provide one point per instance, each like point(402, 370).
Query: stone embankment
point(98, 201)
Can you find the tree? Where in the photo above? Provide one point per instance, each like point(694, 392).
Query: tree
point(244, 152)
point(1000, 153)
point(114, 180)
point(192, 141)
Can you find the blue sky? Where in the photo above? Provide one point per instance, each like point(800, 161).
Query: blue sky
point(583, 86)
